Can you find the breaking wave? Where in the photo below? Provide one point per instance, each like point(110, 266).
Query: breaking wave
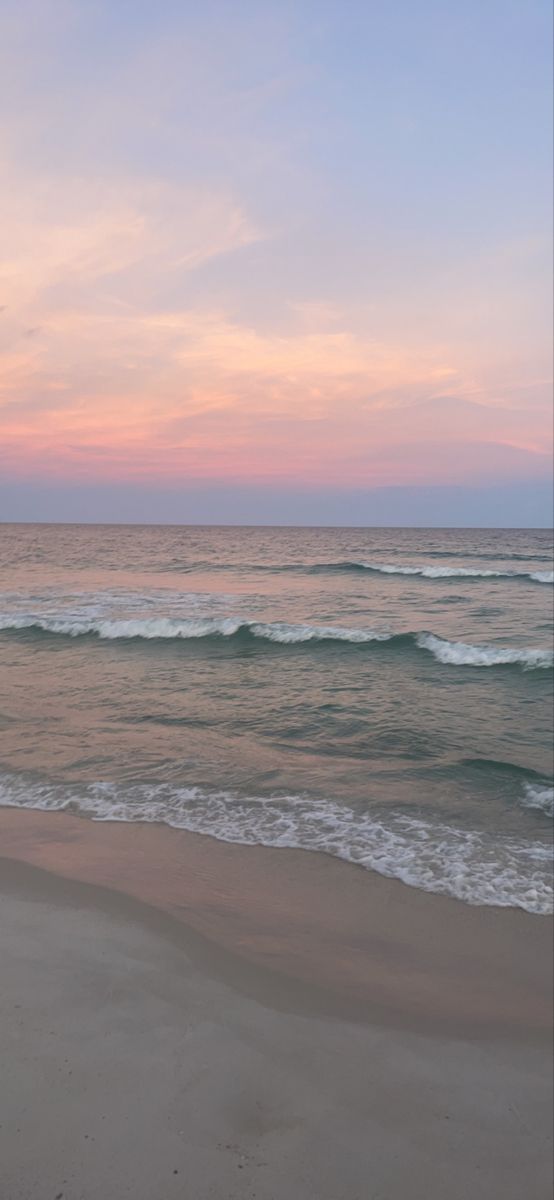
point(536, 796)
point(279, 633)
point(163, 628)
point(426, 571)
point(462, 654)
point(465, 864)
point(438, 572)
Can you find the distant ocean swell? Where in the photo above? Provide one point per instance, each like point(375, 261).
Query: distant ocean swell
point(486, 555)
point(441, 858)
point(433, 572)
point(280, 633)
point(426, 571)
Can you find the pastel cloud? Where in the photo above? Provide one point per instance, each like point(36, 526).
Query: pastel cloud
point(70, 234)
point(189, 299)
point(194, 394)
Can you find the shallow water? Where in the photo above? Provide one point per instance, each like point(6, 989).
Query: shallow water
point(381, 695)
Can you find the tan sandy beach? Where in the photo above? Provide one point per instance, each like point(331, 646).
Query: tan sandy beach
point(303, 1029)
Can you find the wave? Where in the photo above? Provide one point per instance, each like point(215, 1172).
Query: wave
point(485, 555)
point(537, 796)
point(436, 572)
point(427, 571)
point(463, 654)
point(532, 788)
point(502, 767)
point(436, 857)
point(163, 628)
point(280, 633)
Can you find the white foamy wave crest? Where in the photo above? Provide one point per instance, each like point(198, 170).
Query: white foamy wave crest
point(171, 627)
point(440, 858)
point(462, 654)
point(539, 797)
point(434, 572)
point(113, 628)
point(281, 632)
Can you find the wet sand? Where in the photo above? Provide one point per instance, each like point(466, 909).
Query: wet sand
point(308, 930)
point(183, 1018)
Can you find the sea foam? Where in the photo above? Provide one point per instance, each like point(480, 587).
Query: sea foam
point(539, 797)
point(435, 572)
point(155, 628)
point(461, 654)
point(435, 857)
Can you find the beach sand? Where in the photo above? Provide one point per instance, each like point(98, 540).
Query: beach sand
point(184, 1018)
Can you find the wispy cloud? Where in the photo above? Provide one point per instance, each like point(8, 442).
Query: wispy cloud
point(215, 265)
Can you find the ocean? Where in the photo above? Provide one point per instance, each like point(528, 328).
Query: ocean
point(381, 695)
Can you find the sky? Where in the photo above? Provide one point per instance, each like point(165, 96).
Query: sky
point(276, 262)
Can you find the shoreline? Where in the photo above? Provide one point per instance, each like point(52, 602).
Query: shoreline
point(144, 1057)
point(302, 932)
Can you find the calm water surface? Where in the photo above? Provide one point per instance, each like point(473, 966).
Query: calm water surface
point(381, 695)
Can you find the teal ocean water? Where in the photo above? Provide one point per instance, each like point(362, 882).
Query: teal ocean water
point(384, 696)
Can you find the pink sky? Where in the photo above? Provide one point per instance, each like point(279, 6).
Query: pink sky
point(265, 315)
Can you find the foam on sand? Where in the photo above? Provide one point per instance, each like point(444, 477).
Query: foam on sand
point(436, 857)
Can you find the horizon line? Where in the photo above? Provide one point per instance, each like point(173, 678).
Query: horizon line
point(274, 525)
